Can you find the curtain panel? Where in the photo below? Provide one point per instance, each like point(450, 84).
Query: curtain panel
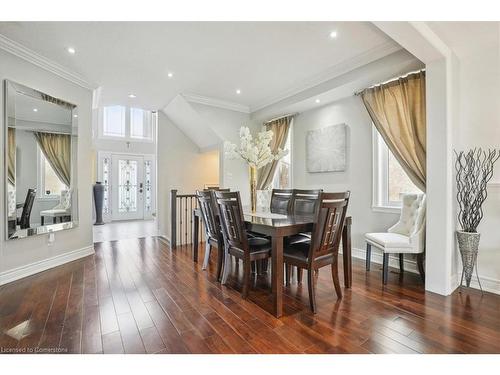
point(280, 128)
point(57, 150)
point(397, 109)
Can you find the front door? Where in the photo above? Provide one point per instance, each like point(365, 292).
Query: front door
point(127, 187)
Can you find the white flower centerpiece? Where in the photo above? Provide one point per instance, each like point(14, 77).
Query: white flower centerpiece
point(256, 152)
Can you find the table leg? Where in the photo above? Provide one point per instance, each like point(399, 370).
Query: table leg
point(346, 254)
point(196, 231)
point(277, 275)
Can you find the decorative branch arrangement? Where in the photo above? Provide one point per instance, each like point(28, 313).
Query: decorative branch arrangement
point(256, 152)
point(474, 168)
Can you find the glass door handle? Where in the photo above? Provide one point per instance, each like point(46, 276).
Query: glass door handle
point(140, 187)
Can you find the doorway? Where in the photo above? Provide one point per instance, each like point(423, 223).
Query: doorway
point(129, 186)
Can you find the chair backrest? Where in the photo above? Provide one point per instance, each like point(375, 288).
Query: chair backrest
point(215, 188)
point(304, 202)
point(206, 202)
point(231, 220)
point(24, 221)
point(328, 225)
point(412, 214)
point(11, 200)
point(65, 200)
point(281, 200)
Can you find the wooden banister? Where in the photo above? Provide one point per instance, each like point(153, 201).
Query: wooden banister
point(173, 218)
point(181, 218)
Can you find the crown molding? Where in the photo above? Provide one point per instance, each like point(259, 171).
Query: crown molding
point(41, 61)
point(343, 67)
point(195, 98)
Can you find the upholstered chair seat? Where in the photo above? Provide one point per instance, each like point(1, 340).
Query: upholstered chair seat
point(62, 209)
point(407, 236)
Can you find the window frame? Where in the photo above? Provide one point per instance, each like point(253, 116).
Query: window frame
point(40, 179)
point(101, 127)
point(152, 116)
point(290, 134)
point(380, 191)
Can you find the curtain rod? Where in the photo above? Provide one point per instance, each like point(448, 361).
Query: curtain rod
point(43, 131)
point(279, 117)
point(357, 93)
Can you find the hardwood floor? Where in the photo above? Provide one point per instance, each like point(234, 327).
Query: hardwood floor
point(137, 296)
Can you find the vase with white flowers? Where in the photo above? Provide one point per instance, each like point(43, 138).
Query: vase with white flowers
point(256, 152)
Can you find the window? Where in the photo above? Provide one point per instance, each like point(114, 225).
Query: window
point(389, 178)
point(140, 124)
point(127, 123)
point(283, 174)
point(49, 185)
point(114, 121)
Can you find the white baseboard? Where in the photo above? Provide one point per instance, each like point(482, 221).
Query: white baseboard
point(163, 238)
point(489, 284)
point(43, 265)
point(409, 264)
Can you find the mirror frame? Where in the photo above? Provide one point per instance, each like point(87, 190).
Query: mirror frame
point(10, 90)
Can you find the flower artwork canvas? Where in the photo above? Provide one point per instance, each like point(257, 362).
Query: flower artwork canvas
point(326, 149)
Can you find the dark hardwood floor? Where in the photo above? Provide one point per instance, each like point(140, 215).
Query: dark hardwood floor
point(137, 296)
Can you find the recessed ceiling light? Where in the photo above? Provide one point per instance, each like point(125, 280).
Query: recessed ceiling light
point(170, 74)
point(75, 116)
point(35, 109)
point(333, 34)
point(131, 96)
point(238, 91)
point(71, 50)
point(318, 101)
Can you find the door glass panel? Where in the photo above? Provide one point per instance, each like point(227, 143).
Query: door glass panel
point(105, 182)
point(127, 186)
point(147, 185)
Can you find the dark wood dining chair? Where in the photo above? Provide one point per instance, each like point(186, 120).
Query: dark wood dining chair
point(216, 189)
point(323, 248)
point(213, 234)
point(304, 202)
point(281, 201)
point(236, 240)
point(24, 220)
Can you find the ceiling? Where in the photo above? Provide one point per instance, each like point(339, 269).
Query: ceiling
point(265, 60)
point(463, 37)
point(36, 110)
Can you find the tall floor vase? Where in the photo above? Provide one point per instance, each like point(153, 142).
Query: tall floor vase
point(468, 244)
point(253, 188)
point(99, 202)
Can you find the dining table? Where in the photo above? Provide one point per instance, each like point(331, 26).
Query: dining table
point(277, 227)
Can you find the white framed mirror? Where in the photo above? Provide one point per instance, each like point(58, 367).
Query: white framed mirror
point(41, 139)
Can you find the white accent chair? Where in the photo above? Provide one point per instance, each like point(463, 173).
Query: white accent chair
point(407, 236)
point(62, 210)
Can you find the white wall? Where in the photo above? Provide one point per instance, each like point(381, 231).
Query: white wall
point(479, 126)
point(181, 166)
point(226, 124)
point(68, 244)
point(358, 176)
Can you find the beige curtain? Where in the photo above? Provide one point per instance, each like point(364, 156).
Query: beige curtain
point(11, 162)
point(397, 109)
point(280, 128)
point(57, 150)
